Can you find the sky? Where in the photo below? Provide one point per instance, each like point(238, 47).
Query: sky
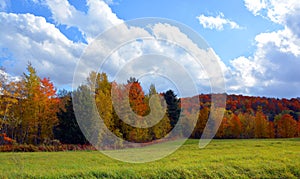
point(256, 42)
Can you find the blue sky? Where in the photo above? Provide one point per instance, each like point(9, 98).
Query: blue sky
point(228, 43)
point(256, 41)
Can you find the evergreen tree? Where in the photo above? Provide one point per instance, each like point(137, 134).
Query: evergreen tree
point(68, 131)
point(173, 107)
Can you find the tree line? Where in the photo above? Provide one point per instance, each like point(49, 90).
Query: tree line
point(32, 111)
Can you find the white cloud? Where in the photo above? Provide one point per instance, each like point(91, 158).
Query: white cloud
point(273, 69)
point(26, 37)
point(243, 77)
point(270, 71)
point(98, 18)
point(255, 5)
point(209, 62)
point(284, 40)
point(111, 2)
point(162, 39)
point(31, 38)
point(7, 77)
point(218, 22)
point(277, 11)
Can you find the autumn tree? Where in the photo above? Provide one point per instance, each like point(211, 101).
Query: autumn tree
point(286, 126)
point(226, 124)
point(298, 124)
point(130, 106)
point(13, 99)
point(271, 130)
point(236, 126)
point(48, 108)
point(31, 107)
point(101, 89)
point(152, 91)
point(201, 123)
point(261, 124)
point(103, 100)
point(9, 95)
point(220, 133)
point(3, 105)
point(162, 128)
point(29, 111)
point(139, 107)
point(39, 107)
point(248, 125)
point(136, 97)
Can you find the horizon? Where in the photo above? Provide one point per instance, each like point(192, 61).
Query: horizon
point(145, 88)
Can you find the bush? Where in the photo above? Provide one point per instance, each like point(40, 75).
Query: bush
point(45, 148)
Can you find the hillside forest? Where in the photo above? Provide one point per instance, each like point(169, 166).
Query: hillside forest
point(33, 111)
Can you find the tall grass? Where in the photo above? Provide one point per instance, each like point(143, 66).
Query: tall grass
point(270, 158)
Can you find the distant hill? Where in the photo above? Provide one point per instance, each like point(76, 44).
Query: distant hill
point(270, 106)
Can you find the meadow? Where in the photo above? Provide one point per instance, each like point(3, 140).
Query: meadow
point(238, 158)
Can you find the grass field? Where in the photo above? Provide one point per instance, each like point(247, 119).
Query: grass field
point(270, 158)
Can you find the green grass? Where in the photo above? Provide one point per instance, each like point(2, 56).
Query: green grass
point(270, 158)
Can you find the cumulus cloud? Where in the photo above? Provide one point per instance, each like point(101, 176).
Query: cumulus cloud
point(255, 5)
point(29, 38)
point(273, 68)
point(164, 40)
point(285, 13)
point(218, 22)
point(276, 10)
point(98, 18)
point(5, 77)
point(26, 37)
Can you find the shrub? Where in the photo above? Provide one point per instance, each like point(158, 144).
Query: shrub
point(45, 148)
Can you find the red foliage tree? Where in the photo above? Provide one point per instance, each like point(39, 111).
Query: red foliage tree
point(286, 126)
point(137, 98)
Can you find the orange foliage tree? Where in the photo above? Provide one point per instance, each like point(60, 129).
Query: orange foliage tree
point(261, 124)
point(39, 105)
point(286, 126)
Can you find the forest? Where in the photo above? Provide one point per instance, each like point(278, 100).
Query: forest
point(33, 112)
